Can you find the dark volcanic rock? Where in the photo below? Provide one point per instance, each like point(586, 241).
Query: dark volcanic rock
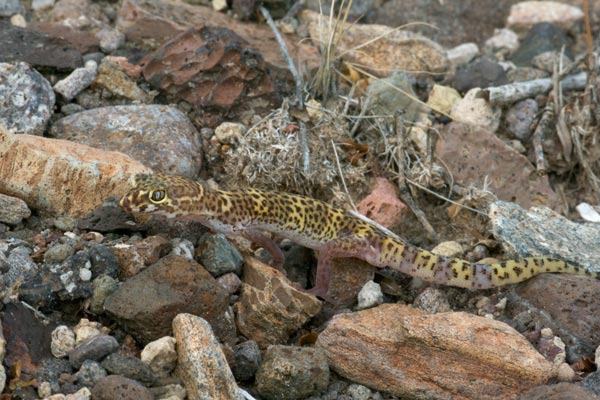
point(35, 48)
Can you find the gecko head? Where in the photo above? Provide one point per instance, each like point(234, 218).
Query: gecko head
point(167, 196)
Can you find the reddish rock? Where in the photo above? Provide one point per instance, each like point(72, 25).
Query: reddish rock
point(402, 351)
point(382, 205)
point(475, 155)
point(348, 276)
point(84, 42)
point(270, 309)
point(214, 70)
point(561, 391)
point(567, 304)
point(59, 177)
point(147, 303)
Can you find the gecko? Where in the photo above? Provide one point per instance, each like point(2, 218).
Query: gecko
point(332, 232)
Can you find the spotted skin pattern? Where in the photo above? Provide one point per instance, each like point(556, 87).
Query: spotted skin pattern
point(332, 232)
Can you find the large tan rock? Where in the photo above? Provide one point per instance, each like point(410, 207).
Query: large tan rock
point(62, 178)
point(400, 350)
point(270, 309)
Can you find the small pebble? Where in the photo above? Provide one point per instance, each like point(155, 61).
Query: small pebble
point(37, 5)
point(369, 296)
point(77, 81)
point(160, 355)
point(565, 373)
point(183, 247)
point(63, 341)
point(359, 392)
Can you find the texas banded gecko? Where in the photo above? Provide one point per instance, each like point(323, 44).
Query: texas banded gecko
point(331, 232)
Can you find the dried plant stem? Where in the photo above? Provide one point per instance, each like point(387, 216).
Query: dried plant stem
point(538, 136)
point(286, 54)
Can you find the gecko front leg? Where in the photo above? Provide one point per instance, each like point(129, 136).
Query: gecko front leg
point(277, 257)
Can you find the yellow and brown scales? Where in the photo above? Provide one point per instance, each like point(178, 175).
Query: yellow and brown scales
point(332, 232)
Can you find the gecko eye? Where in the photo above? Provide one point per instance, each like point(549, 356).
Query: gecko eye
point(157, 196)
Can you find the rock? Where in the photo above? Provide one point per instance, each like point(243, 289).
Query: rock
point(113, 78)
point(541, 38)
point(397, 349)
point(382, 205)
point(442, 98)
point(63, 341)
point(37, 5)
point(481, 73)
point(473, 109)
point(86, 329)
point(474, 155)
point(82, 41)
point(53, 371)
point(525, 14)
point(407, 51)
point(160, 355)
point(432, 301)
point(348, 277)
point(129, 367)
point(94, 348)
point(270, 309)
point(154, 22)
point(152, 248)
point(169, 392)
point(36, 49)
point(454, 22)
point(118, 129)
point(227, 75)
point(230, 132)
point(567, 304)
point(561, 391)
point(392, 93)
point(463, 53)
point(201, 363)
point(565, 373)
point(118, 387)
point(230, 282)
point(110, 39)
point(81, 14)
point(77, 81)
point(551, 347)
point(369, 296)
point(104, 286)
point(130, 261)
point(13, 210)
point(26, 338)
point(58, 253)
point(183, 247)
point(520, 119)
point(20, 268)
point(218, 255)
point(133, 71)
point(289, 372)
point(103, 260)
point(26, 99)
point(9, 7)
point(90, 373)
point(503, 41)
point(592, 383)
point(147, 303)
point(541, 231)
point(247, 359)
point(59, 177)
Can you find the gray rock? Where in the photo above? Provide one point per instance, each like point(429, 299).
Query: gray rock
point(51, 370)
point(26, 98)
point(542, 232)
point(480, 73)
point(58, 253)
point(118, 387)
point(296, 371)
point(129, 367)
point(41, 4)
point(13, 210)
point(9, 8)
point(90, 373)
point(21, 267)
point(519, 119)
point(36, 48)
point(541, 38)
point(110, 39)
point(161, 137)
point(94, 348)
point(247, 360)
point(218, 255)
point(104, 286)
point(592, 383)
point(77, 81)
point(104, 261)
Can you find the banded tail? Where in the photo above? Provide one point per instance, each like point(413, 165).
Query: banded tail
point(456, 272)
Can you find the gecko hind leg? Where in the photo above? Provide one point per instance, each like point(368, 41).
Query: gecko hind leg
point(277, 257)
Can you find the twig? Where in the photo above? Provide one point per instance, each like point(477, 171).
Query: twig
point(587, 98)
point(286, 54)
point(538, 135)
point(337, 161)
point(507, 94)
point(305, 150)
point(402, 186)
